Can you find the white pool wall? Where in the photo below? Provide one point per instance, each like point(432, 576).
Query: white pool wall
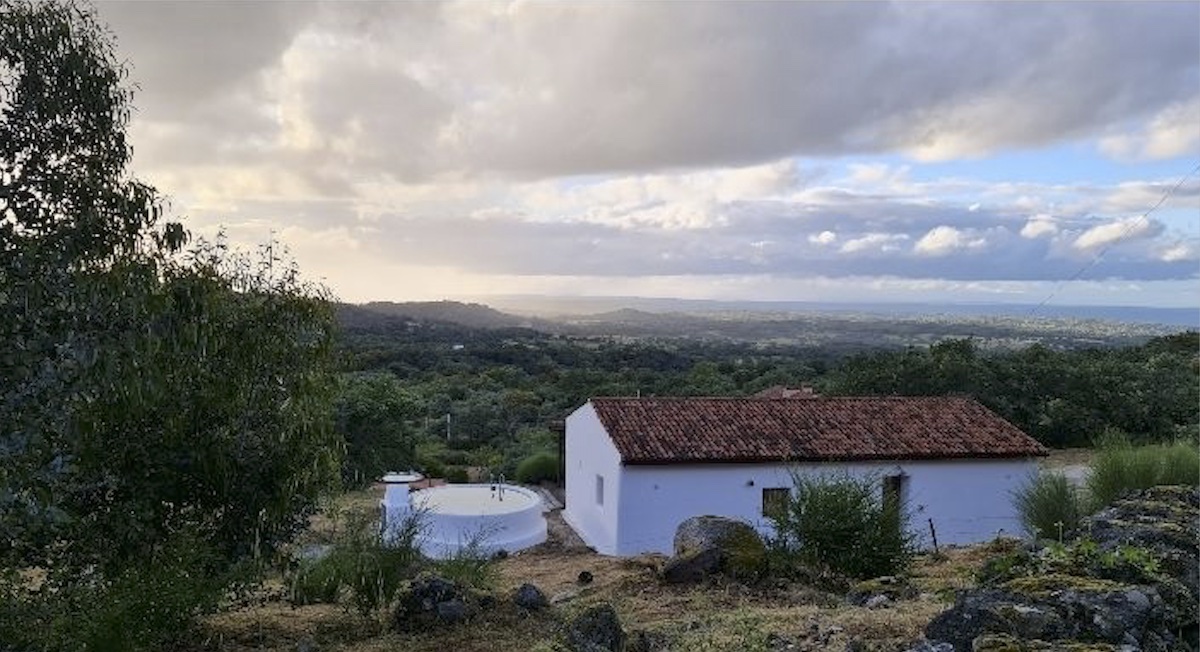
point(454, 516)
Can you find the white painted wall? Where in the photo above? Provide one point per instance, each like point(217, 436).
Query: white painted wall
point(591, 453)
point(969, 501)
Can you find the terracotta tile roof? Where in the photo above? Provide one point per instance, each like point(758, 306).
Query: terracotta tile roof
point(689, 430)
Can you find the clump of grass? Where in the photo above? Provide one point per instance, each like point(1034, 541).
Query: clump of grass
point(471, 564)
point(1119, 468)
point(1049, 506)
point(361, 570)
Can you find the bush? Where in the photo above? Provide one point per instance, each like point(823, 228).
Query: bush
point(361, 570)
point(841, 522)
point(457, 475)
point(470, 565)
point(537, 468)
point(1049, 506)
point(1119, 469)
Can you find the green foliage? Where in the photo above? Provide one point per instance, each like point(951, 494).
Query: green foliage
point(1117, 469)
point(456, 475)
point(375, 416)
point(1049, 506)
point(841, 522)
point(1125, 563)
point(146, 390)
point(1061, 398)
point(147, 606)
point(537, 468)
point(360, 570)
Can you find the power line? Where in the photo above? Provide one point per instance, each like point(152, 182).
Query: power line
point(1128, 229)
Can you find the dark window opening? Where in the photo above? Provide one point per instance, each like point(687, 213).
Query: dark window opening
point(774, 502)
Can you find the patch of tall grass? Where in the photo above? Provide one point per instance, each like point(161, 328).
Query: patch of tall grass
point(1119, 468)
point(1049, 506)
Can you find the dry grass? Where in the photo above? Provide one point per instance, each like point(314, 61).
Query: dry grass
point(714, 616)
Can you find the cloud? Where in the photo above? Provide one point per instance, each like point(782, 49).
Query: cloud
point(1117, 231)
point(1039, 226)
point(543, 90)
point(943, 240)
point(822, 238)
point(882, 242)
point(1174, 131)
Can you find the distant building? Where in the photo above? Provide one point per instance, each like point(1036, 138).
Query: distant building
point(637, 467)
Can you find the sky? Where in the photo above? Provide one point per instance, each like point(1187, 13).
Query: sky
point(867, 151)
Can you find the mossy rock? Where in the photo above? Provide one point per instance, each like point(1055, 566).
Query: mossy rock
point(1043, 586)
point(1008, 643)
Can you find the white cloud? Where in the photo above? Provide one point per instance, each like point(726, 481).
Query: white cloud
point(943, 240)
point(1038, 226)
point(822, 238)
point(1179, 252)
point(1117, 231)
point(1174, 131)
point(883, 242)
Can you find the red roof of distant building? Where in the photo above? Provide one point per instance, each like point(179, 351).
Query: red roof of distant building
point(697, 430)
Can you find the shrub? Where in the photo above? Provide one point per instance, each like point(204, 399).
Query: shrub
point(841, 522)
point(457, 475)
point(361, 570)
point(1116, 470)
point(1049, 506)
point(538, 467)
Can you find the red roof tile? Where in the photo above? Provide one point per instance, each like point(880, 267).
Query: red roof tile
point(690, 430)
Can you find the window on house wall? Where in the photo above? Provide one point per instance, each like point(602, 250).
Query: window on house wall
point(774, 502)
point(600, 490)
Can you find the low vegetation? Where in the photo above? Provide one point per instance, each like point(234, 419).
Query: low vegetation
point(840, 523)
point(1049, 506)
point(1119, 468)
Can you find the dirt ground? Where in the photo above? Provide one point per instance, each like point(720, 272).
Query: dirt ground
point(714, 616)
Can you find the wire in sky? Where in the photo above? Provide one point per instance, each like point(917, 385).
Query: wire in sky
point(1128, 229)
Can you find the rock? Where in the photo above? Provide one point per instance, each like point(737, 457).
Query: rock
point(1129, 582)
point(307, 644)
point(892, 588)
point(877, 602)
point(530, 597)
point(925, 645)
point(452, 611)
point(585, 577)
point(597, 629)
point(693, 566)
point(715, 544)
point(431, 601)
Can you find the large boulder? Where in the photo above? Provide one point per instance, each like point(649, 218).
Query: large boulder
point(706, 545)
point(596, 629)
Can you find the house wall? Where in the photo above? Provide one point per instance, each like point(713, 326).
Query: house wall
point(591, 453)
point(968, 501)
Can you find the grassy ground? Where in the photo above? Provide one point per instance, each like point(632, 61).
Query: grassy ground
point(709, 617)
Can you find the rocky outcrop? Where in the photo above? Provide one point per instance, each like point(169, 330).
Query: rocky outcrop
point(1129, 582)
point(707, 545)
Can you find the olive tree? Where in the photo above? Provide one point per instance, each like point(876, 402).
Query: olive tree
point(165, 407)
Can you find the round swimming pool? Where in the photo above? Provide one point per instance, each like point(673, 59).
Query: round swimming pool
point(492, 516)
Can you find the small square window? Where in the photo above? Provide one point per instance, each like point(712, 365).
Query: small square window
point(600, 490)
point(774, 502)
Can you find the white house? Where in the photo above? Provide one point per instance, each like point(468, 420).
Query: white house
point(637, 467)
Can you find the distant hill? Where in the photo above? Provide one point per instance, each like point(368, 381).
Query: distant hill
point(474, 315)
